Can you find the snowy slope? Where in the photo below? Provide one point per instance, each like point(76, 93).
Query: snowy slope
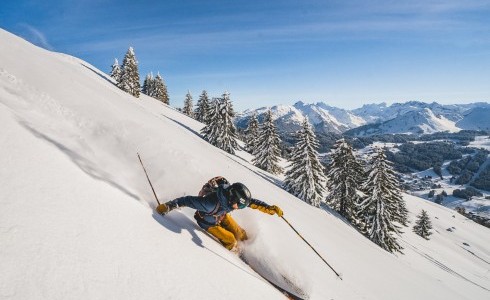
point(476, 119)
point(332, 119)
point(76, 218)
point(373, 112)
point(343, 116)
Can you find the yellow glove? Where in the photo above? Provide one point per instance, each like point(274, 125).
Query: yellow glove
point(163, 209)
point(272, 209)
point(275, 210)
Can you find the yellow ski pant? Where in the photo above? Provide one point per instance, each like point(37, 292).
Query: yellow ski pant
point(228, 232)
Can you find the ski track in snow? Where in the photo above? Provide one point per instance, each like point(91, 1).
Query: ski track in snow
point(473, 253)
point(442, 265)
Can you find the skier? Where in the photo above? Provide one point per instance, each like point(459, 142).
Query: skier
point(213, 209)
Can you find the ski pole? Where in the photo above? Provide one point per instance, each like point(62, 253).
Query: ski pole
point(148, 179)
point(338, 275)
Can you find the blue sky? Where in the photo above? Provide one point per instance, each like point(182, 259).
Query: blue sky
point(344, 53)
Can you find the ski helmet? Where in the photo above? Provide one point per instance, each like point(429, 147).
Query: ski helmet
point(238, 193)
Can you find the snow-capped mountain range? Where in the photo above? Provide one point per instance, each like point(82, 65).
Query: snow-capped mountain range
point(412, 117)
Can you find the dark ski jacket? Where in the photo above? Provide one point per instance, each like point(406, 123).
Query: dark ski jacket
point(210, 209)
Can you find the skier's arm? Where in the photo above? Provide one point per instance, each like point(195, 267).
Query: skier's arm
point(265, 208)
point(205, 204)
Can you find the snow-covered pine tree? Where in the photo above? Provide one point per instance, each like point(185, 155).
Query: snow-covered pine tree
point(399, 209)
point(267, 152)
point(130, 78)
point(148, 85)
point(423, 225)
point(251, 133)
point(187, 110)
point(160, 89)
point(116, 71)
point(202, 107)
point(227, 134)
point(345, 176)
point(210, 132)
point(305, 176)
point(220, 130)
point(378, 208)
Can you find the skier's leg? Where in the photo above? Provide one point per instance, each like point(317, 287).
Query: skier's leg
point(231, 225)
point(224, 236)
